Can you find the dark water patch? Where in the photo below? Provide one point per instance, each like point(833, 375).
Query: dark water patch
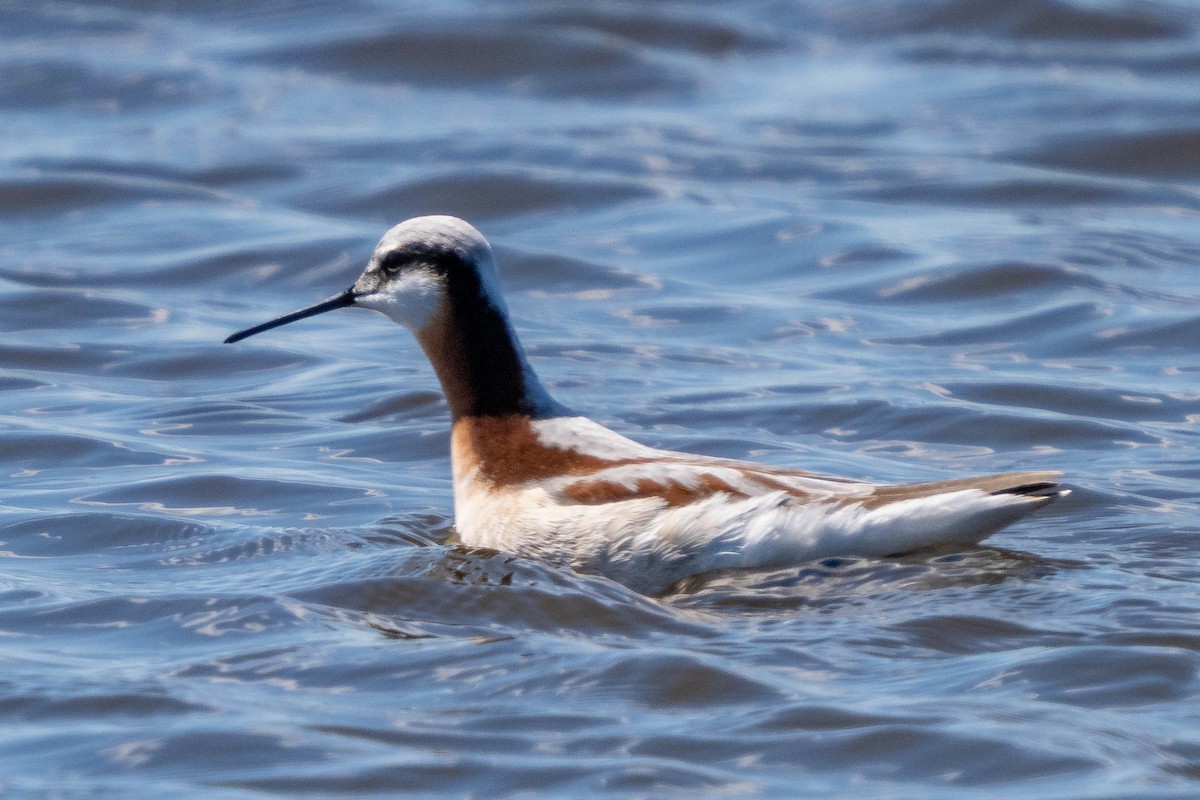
point(645, 775)
point(950, 757)
point(426, 440)
point(888, 754)
point(1172, 154)
point(228, 748)
point(284, 264)
point(971, 282)
point(885, 423)
point(419, 403)
point(295, 665)
point(421, 529)
point(248, 367)
point(1061, 324)
point(586, 351)
point(833, 585)
point(784, 163)
point(1178, 641)
point(502, 732)
point(45, 450)
point(313, 259)
point(666, 680)
point(1047, 192)
point(689, 314)
point(485, 195)
point(219, 495)
point(25, 24)
point(222, 418)
point(761, 248)
point(1169, 59)
point(665, 27)
point(1095, 401)
point(249, 545)
point(836, 132)
point(95, 705)
point(1177, 336)
point(44, 310)
point(520, 56)
point(451, 774)
point(323, 394)
point(99, 533)
point(1182, 757)
point(112, 623)
point(1025, 20)
point(499, 594)
point(175, 268)
point(865, 256)
point(794, 331)
point(251, 369)
point(553, 274)
point(776, 152)
point(1105, 677)
point(808, 716)
point(749, 412)
point(29, 196)
point(233, 12)
point(876, 748)
point(17, 384)
point(47, 84)
point(694, 356)
point(960, 634)
point(216, 176)
point(1117, 251)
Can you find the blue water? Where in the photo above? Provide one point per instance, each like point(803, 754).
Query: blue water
point(891, 240)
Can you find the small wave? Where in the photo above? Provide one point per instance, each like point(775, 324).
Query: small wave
point(1035, 20)
point(523, 56)
point(480, 195)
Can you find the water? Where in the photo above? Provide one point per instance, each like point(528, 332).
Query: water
point(892, 240)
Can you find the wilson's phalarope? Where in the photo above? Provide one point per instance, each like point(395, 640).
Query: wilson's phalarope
point(534, 479)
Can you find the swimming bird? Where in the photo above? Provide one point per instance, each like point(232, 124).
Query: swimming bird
point(534, 479)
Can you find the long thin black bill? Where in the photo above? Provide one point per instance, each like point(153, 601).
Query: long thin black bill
point(340, 300)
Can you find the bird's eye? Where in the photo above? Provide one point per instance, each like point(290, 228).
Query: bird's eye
point(392, 262)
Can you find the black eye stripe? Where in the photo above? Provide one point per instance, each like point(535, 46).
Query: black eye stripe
point(408, 257)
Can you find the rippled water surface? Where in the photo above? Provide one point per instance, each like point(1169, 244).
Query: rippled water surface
point(891, 240)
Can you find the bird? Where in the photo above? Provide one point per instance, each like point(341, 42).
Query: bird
point(534, 479)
